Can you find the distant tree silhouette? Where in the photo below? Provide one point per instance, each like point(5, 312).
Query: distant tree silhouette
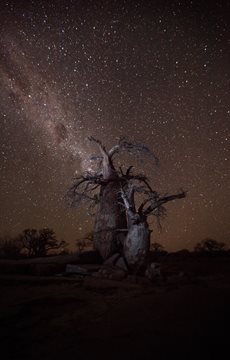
point(10, 248)
point(209, 245)
point(156, 247)
point(40, 242)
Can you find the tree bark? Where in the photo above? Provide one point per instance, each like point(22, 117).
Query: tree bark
point(137, 241)
point(111, 214)
point(137, 245)
point(109, 219)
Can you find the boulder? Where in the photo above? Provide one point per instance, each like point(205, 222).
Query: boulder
point(112, 260)
point(75, 269)
point(120, 263)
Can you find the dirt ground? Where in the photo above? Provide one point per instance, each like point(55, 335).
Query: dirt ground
point(60, 318)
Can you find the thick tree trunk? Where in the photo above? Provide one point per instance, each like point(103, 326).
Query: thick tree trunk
point(110, 218)
point(137, 245)
point(137, 242)
point(111, 215)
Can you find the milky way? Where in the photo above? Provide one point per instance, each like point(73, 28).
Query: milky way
point(157, 72)
point(38, 101)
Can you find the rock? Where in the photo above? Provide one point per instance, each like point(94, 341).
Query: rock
point(120, 263)
point(111, 260)
point(75, 269)
point(116, 260)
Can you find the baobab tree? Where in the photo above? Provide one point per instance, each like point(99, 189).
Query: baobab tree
point(111, 222)
point(137, 241)
point(120, 226)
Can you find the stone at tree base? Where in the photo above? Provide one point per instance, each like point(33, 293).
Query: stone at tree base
point(112, 259)
point(116, 260)
point(120, 263)
point(75, 269)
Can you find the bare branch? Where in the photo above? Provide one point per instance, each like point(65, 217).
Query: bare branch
point(157, 203)
point(132, 148)
point(99, 143)
point(114, 150)
point(107, 167)
point(83, 188)
point(129, 170)
point(121, 171)
point(127, 202)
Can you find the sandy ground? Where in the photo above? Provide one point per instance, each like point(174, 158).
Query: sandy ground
point(60, 318)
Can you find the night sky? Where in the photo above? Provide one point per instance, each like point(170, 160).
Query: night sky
point(155, 71)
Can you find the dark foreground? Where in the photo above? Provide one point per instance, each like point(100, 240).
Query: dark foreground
point(55, 318)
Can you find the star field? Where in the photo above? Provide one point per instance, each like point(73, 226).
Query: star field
point(157, 72)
